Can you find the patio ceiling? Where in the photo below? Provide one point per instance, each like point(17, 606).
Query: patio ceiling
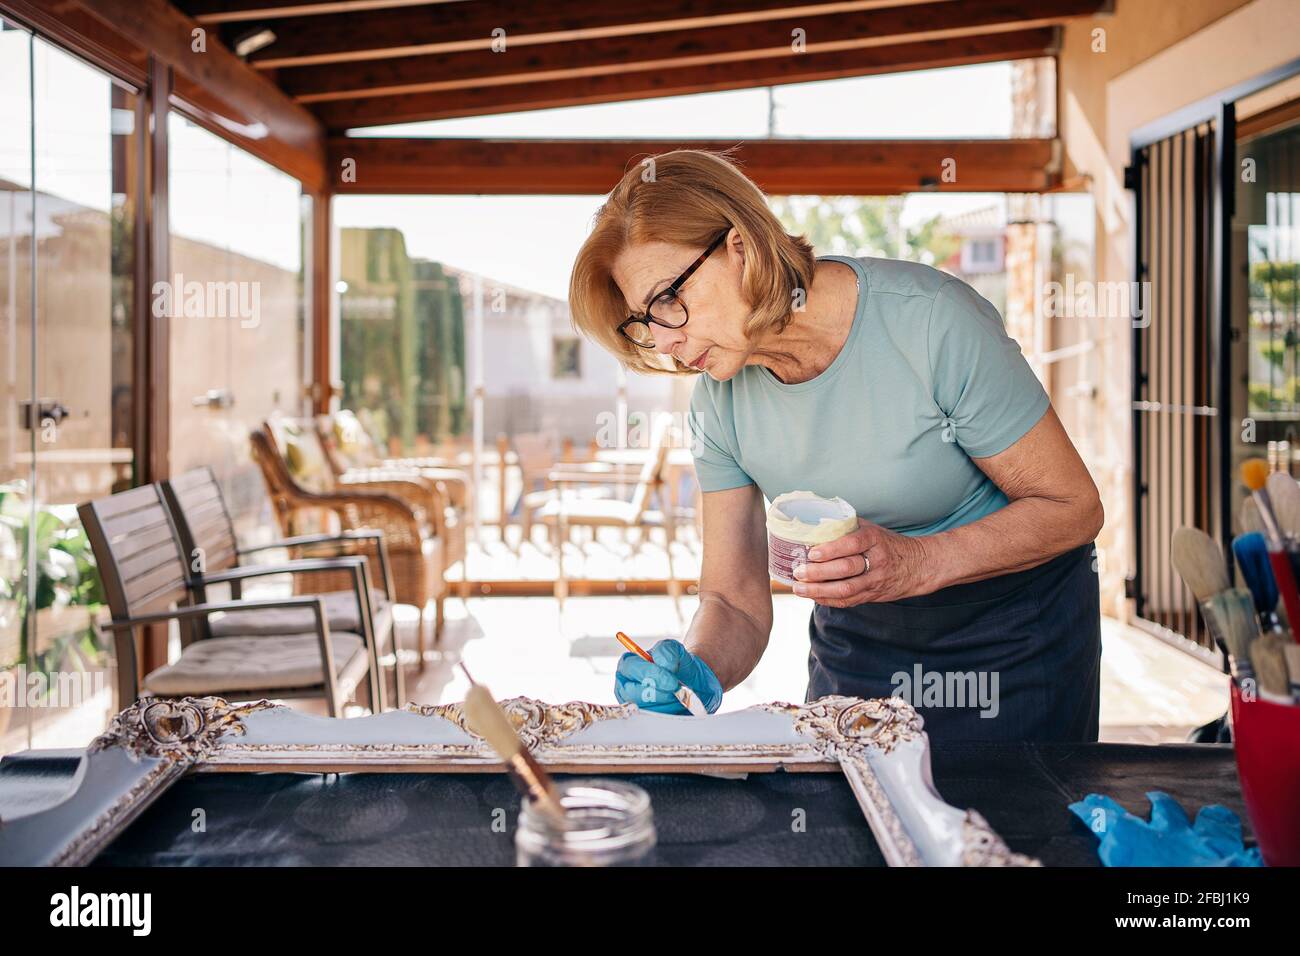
point(310, 70)
point(372, 62)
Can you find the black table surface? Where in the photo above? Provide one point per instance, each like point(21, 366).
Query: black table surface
point(791, 819)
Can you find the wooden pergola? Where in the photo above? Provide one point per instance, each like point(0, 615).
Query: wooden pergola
point(312, 69)
point(287, 79)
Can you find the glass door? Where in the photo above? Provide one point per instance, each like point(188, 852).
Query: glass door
point(1267, 257)
point(16, 440)
point(69, 178)
point(237, 310)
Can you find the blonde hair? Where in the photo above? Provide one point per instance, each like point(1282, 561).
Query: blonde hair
point(685, 197)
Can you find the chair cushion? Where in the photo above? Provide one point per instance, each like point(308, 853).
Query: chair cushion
point(251, 663)
point(340, 610)
point(303, 454)
point(590, 510)
point(351, 443)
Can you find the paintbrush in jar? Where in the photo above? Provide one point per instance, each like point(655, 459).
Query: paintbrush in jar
point(1229, 612)
point(1254, 475)
point(685, 696)
point(486, 718)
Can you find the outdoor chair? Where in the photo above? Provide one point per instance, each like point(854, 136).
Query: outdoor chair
point(431, 493)
point(566, 510)
point(146, 581)
point(351, 446)
point(207, 536)
point(415, 556)
point(535, 457)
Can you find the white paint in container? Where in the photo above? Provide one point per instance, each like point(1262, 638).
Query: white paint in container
point(797, 521)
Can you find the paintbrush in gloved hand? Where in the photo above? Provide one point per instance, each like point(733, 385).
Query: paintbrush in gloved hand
point(486, 718)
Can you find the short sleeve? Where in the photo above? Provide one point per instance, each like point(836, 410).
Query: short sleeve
point(981, 380)
point(713, 438)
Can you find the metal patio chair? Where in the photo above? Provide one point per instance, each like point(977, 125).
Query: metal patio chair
point(566, 510)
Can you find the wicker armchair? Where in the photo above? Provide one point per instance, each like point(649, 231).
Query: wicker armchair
point(414, 550)
point(353, 460)
point(351, 445)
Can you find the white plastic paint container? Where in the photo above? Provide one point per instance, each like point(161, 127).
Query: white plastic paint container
point(798, 521)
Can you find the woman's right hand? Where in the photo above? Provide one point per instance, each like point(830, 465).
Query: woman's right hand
point(653, 686)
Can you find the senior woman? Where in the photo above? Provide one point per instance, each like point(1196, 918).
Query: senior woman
point(886, 383)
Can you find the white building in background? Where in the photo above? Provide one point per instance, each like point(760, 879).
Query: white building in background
point(541, 375)
point(980, 258)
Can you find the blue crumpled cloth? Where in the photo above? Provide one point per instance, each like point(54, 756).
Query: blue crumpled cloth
point(1169, 838)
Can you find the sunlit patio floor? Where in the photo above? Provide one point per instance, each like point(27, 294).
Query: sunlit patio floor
point(610, 554)
point(1151, 692)
point(526, 646)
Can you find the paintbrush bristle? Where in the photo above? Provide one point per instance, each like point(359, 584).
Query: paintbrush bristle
point(1284, 495)
point(486, 718)
point(1268, 658)
point(1249, 518)
point(1230, 616)
point(1199, 560)
point(1291, 652)
point(1254, 473)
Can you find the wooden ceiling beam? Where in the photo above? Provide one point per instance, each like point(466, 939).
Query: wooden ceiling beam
point(235, 98)
point(568, 167)
point(600, 57)
point(517, 97)
point(237, 11)
point(458, 27)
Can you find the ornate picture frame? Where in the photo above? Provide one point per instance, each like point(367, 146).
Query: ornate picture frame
point(878, 744)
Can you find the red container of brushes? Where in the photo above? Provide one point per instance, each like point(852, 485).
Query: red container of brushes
point(1266, 736)
point(1266, 732)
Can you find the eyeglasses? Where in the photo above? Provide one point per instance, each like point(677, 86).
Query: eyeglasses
point(666, 309)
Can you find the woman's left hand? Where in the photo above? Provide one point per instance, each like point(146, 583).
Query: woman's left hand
point(872, 564)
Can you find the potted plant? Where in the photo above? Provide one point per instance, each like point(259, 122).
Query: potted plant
point(66, 598)
point(11, 619)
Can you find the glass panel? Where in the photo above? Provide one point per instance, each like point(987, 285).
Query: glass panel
point(430, 313)
point(1267, 237)
point(237, 308)
point(86, 176)
point(17, 504)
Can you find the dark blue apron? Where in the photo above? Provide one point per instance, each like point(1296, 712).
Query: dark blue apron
point(1024, 649)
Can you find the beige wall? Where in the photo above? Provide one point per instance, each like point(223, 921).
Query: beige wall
point(1159, 57)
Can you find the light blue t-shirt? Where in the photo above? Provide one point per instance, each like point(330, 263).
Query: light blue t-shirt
point(927, 380)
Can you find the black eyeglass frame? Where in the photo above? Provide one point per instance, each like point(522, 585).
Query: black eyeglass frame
point(673, 289)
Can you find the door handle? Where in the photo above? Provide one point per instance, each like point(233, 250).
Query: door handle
point(34, 414)
point(214, 398)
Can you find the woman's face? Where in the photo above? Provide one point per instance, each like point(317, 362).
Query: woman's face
point(713, 338)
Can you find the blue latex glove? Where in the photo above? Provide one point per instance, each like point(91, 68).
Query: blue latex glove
point(1252, 560)
point(651, 686)
point(1168, 839)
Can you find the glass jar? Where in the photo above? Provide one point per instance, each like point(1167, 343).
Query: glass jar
point(608, 823)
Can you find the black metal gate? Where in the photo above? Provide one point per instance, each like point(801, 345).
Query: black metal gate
point(1180, 356)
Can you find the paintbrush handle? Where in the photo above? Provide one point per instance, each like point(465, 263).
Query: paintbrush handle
point(1272, 533)
point(1286, 585)
point(536, 784)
